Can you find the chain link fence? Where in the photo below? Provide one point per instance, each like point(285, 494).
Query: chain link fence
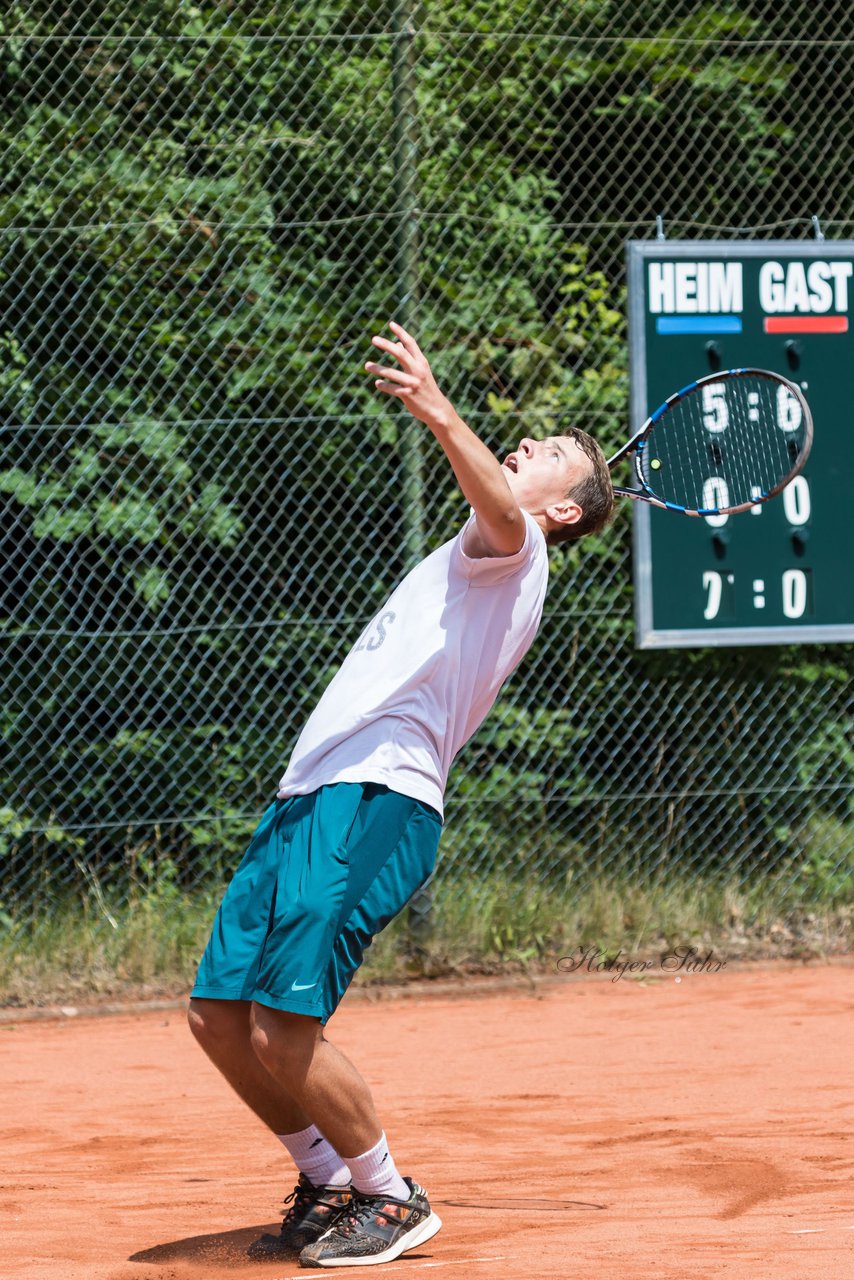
point(205, 212)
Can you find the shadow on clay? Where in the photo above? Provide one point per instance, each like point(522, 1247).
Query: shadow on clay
point(225, 1249)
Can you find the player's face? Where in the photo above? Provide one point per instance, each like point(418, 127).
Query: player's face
point(540, 472)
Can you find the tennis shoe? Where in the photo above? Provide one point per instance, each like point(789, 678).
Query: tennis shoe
point(312, 1211)
point(374, 1229)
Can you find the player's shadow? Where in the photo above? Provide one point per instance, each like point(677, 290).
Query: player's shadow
point(229, 1248)
point(225, 1249)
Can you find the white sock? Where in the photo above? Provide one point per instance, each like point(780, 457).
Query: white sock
point(374, 1173)
point(316, 1157)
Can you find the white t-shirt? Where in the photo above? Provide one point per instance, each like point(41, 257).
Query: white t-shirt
point(425, 671)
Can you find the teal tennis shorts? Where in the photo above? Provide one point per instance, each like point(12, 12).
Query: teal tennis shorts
point(322, 875)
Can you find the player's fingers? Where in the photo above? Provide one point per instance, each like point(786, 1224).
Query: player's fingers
point(395, 349)
point(392, 388)
point(396, 375)
point(406, 338)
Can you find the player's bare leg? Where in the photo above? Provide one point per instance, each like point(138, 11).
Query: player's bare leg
point(293, 1051)
point(389, 1214)
point(223, 1029)
point(294, 1080)
point(286, 1072)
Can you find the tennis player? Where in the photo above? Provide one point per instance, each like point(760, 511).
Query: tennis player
point(355, 827)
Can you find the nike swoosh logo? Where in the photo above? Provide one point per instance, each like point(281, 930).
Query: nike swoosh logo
point(304, 987)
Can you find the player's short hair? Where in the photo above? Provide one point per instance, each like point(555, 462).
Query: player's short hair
point(594, 493)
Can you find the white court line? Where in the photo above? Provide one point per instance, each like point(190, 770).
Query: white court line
point(815, 1231)
point(411, 1266)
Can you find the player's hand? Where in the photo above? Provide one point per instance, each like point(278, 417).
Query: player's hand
point(412, 382)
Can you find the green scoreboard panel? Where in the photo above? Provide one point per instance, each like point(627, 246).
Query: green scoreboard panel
point(783, 572)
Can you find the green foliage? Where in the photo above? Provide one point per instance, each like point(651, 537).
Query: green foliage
point(15, 837)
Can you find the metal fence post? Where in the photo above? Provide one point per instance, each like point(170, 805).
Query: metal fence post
point(420, 912)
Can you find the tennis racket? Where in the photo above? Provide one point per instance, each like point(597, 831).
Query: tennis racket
point(722, 444)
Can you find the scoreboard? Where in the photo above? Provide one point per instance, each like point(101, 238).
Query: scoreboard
point(782, 572)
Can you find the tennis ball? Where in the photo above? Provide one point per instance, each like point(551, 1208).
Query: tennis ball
point(655, 464)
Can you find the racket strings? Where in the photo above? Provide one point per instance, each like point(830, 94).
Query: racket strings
point(725, 444)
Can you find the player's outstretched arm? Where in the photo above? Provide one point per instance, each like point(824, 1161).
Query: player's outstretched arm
point(500, 522)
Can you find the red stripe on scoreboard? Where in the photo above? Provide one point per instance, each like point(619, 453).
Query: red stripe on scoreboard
point(806, 324)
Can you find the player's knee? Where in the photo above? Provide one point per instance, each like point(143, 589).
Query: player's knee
point(284, 1042)
point(215, 1020)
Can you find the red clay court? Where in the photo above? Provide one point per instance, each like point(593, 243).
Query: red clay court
point(628, 1130)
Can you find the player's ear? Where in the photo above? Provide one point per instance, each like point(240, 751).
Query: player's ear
point(565, 512)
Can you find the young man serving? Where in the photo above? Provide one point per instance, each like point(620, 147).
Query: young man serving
point(354, 830)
